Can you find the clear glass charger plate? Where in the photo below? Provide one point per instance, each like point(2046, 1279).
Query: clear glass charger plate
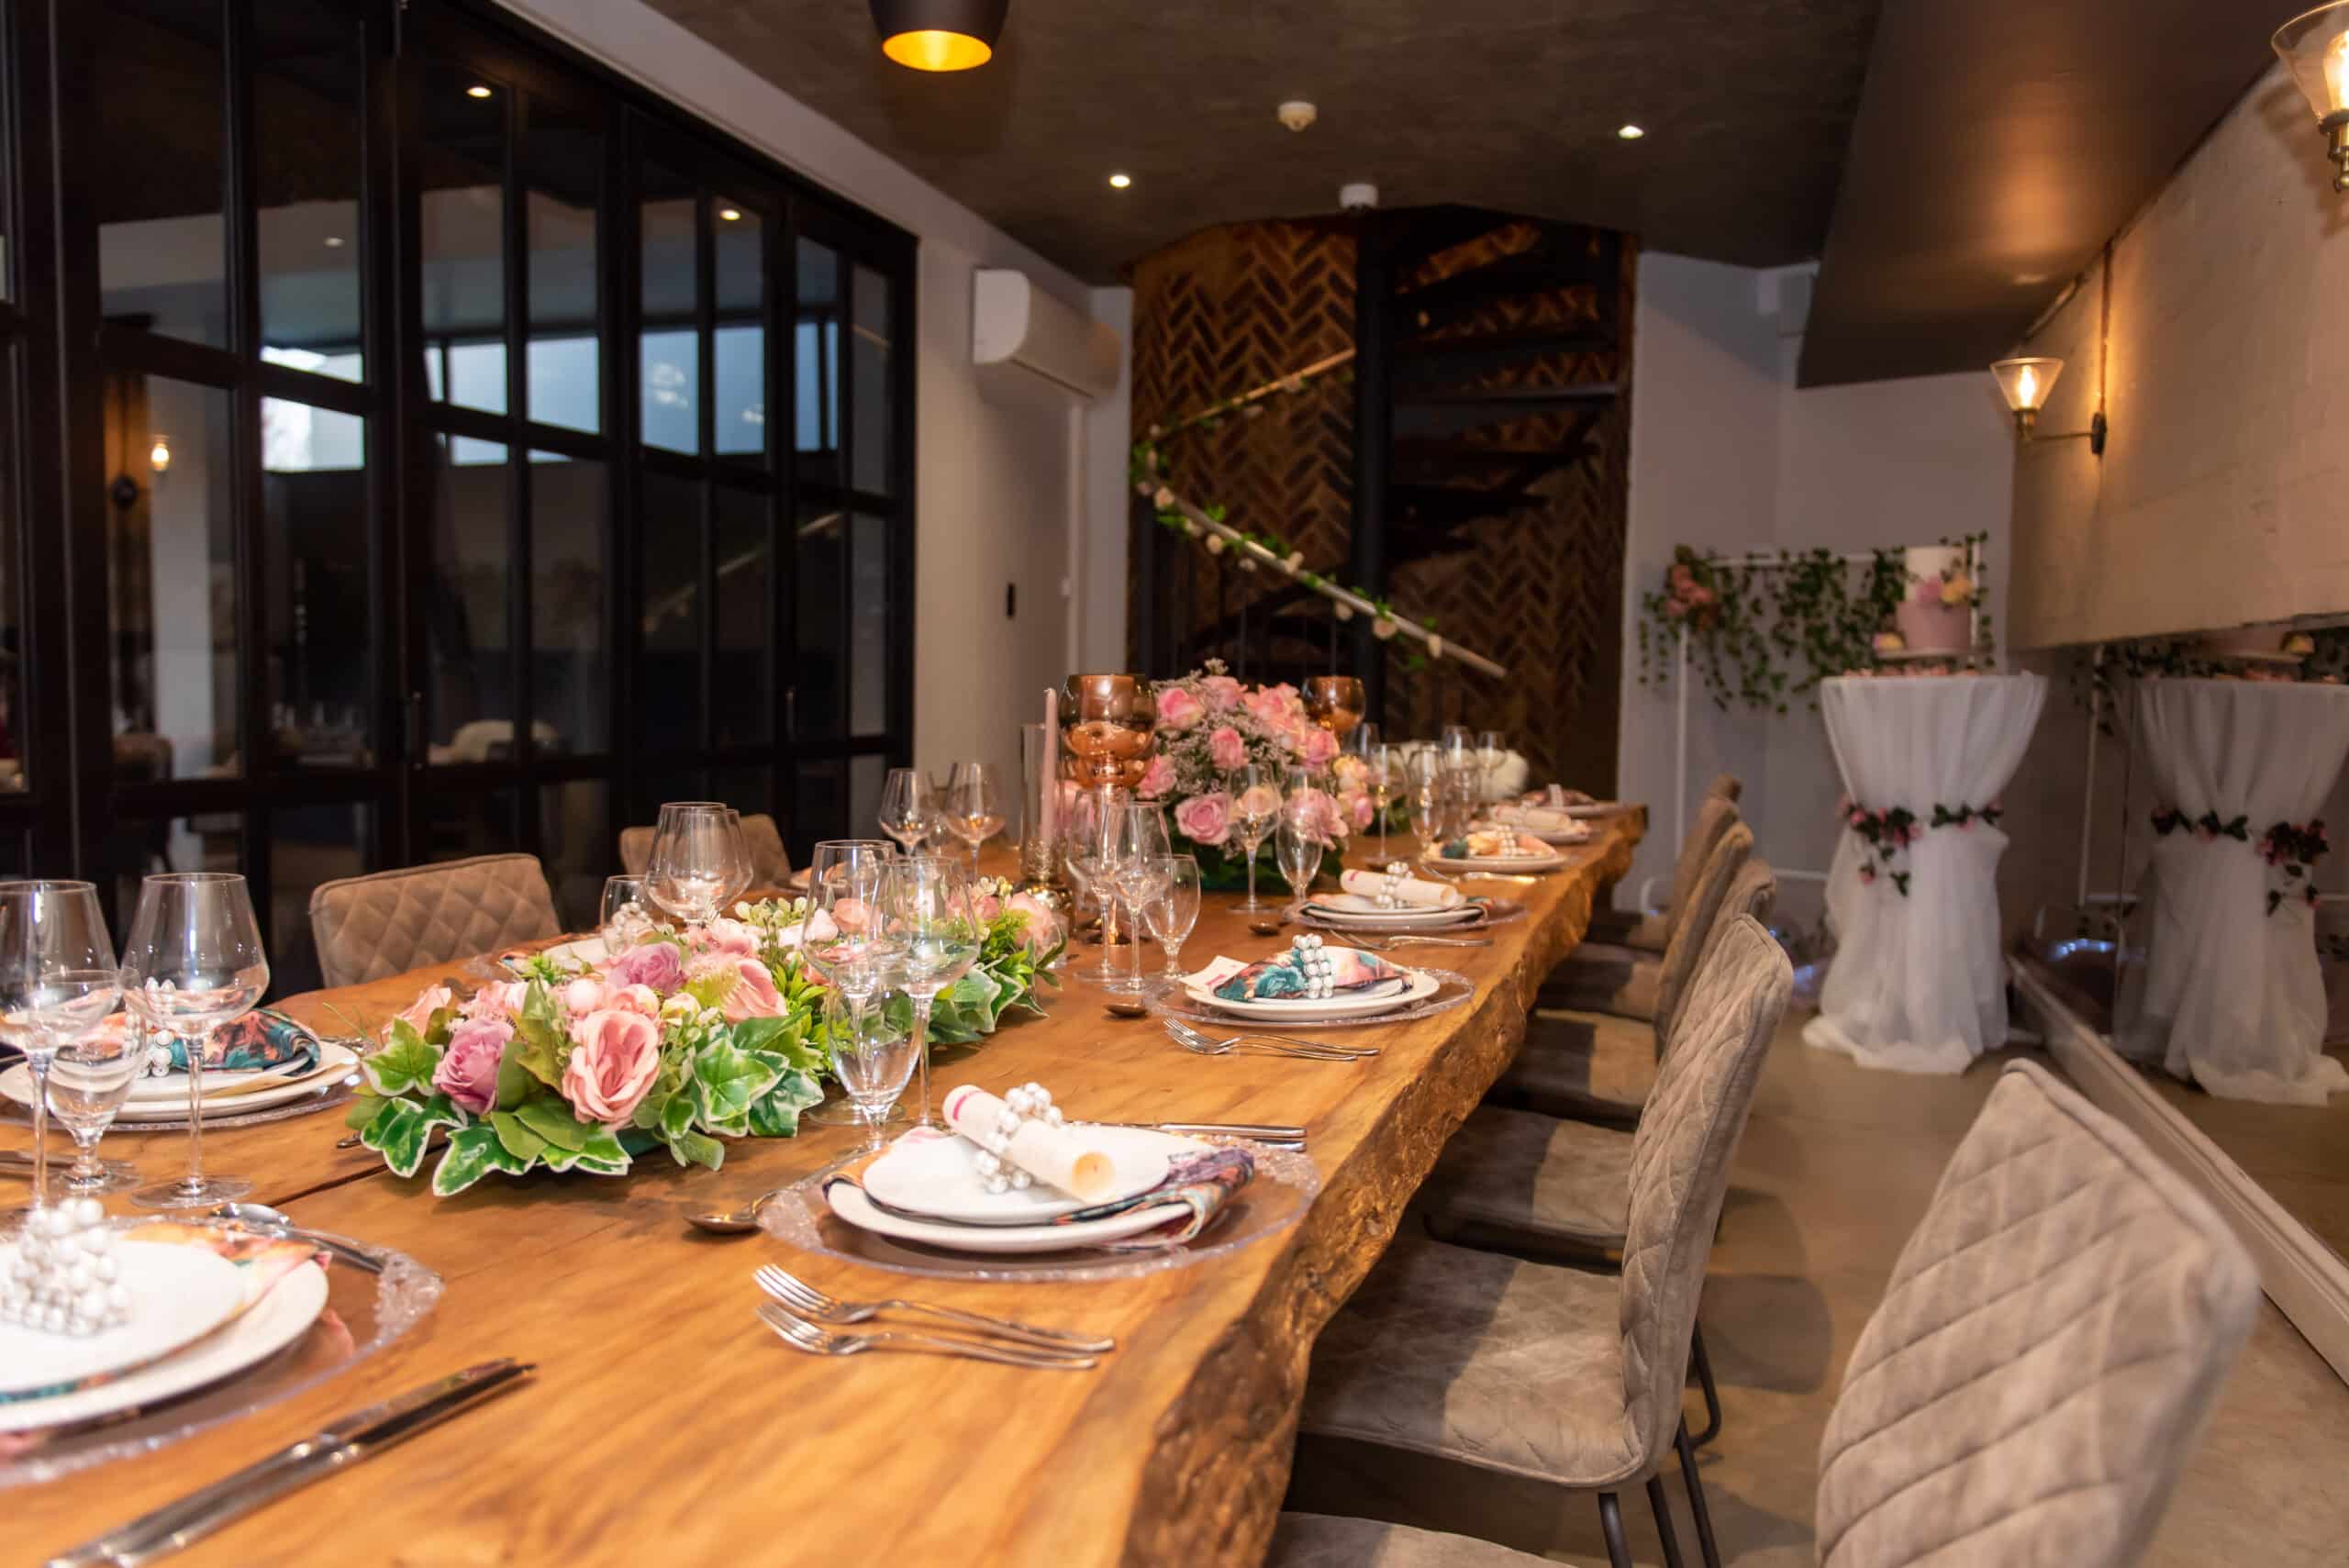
point(1283, 1187)
point(363, 1313)
point(1454, 990)
point(332, 1097)
point(1497, 912)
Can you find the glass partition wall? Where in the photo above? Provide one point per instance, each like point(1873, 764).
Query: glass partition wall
point(460, 451)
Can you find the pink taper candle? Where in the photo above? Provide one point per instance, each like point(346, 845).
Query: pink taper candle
point(1052, 757)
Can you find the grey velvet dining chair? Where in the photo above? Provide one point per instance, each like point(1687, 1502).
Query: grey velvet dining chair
point(770, 862)
point(1557, 1375)
point(1647, 931)
point(2050, 1345)
point(367, 927)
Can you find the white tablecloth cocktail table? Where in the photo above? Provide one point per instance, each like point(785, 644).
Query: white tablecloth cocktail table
point(1917, 983)
point(2230, 994)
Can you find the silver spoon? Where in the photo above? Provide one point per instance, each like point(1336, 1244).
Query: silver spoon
point(733, 1221)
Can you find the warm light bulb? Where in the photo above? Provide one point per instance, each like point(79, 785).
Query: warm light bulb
point(732, 215)
point(1119, 181)
point(935, 49)
point(1631, 133)
point(2336, 74)
point(158, 456)
point(2027, 388)
point(477, 91)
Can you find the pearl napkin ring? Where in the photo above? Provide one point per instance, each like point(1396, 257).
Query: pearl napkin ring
point(65, 1280)
point(1317, 968)
point(1029, 1101)
point(1391, 891)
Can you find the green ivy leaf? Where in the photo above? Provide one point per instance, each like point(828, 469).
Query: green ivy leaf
point(550, 1117)
point(362, 1110)
point(695, 1149)
point(406, 1063)
point(402, 1130)
point(601, 1153)
point(537, 1031)
point(775, 1113)
point(474, 1153)
point(516, 1082)
point(517, 1137)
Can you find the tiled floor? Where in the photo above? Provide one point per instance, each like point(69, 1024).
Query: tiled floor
point(1837, 1165)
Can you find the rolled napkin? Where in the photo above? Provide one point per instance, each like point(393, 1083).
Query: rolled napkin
point(1057, 1155)
point(1307, 972)
point(1559, 796)
point(1414, 891)
point(1549, 819)
point(262, 1041)
point(1496, 843)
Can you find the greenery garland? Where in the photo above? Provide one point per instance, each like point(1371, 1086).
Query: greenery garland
point(1763, 637)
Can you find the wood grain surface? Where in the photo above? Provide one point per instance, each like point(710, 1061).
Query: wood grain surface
point(667, 1426)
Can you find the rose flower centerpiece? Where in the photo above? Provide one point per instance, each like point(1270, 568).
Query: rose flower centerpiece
point(1209, 725)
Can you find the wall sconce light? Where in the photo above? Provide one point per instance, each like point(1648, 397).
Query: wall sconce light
point(2315, 47)
point(2026, 384)
point(939, 35)
point(158, 456)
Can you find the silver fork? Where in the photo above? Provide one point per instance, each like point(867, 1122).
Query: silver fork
point(802, 1298)
point(1191, 1039)
point(1382, 944)
point(800, 1334)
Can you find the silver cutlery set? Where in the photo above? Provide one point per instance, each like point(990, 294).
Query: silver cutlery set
point(808, 1320)
point(1195, 1041)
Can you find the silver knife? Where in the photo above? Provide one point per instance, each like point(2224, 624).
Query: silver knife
point(361, 1435)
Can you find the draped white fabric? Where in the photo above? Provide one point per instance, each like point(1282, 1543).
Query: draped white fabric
point(2231, 995)
point(1917, 984)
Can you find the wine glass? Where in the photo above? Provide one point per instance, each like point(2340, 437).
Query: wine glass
point(848, 946)
point(1380, 772)
point(935, 934)
point(1300, 847)
point(1492, 753)
point(625, 916)
point(194, 961)
point(700, 862)
point(58, 979)
point(873, 1057)
point(87, 1083)
point(972, 807)
point(1173, 909)
point(1135, 843)
point(1255, 801)
point(906, 813)
point(1423, 777)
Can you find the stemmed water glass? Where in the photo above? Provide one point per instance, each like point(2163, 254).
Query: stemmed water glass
point(1300, 847)
point(194, 962)
point(1132, 847)
point(1423, 778)
point(1255, 802)
point(626, 916)
point(1080, 857)
point(851, 953)
point(935, 933)
point(1492, 753)
point(87, 1083)
point(906, 813)
point(972, 807)
point(1380, 772)
point(873, 1057)
point(58, 979)
point(699, 864)
point(1174, 908)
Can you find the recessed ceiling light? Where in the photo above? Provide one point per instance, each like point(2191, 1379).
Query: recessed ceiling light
point(1119, 181)
point(477, 91)
point(334, 242)
point(730, 214)
point(1630, 132)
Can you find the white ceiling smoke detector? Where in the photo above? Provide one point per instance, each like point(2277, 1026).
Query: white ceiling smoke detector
point(1358, 197)
point(1297, 113)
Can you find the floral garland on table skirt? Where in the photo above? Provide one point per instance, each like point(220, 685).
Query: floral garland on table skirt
point(2291, 849)
point(684, 1042)
point(1889, 831)
point(1209, 725)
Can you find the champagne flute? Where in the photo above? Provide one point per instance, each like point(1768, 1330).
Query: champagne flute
point(848, 946)
point(1174, 908)
point(1255, 802)
point(935, 935)
point(906, 813)
point(1300, 848)
point(1140, 843)
point(973, 808)
point(194, 961)
point(1380, 775)
point(873, 1059)
point(88, 1082)
point(700, 862)
point(1492, 752)
point(58, 979)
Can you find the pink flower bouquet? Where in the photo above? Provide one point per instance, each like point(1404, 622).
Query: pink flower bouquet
point(1208, 724)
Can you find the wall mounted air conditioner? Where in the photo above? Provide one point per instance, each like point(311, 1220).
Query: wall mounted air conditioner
point(1020, 335)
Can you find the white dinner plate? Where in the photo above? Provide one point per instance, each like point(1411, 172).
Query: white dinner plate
point(588, 952)
point(177, 1295)
point(1339, 910)
point(1417, 986)
point(273, 1322)
point(937, 1178)
point(1528, 864)
point(170, 1105)
point(1589, 809)
point(1573, 832)
point(849, 1201)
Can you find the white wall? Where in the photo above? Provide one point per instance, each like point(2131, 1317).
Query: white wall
point(1727, 454)
point(1002, 491)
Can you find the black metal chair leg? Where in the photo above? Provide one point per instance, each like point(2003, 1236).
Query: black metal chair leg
point(1705, 1544)
point(1704, 1366)
point(1610, 1522)
point(1661, 1509)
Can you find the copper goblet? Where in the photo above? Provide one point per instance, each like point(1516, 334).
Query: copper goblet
point(1334, 702)
point(1107, 724)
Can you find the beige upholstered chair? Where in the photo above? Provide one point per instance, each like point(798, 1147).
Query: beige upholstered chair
point(370, 927)
point(770, 862)
point(1619, 976)
point(2050, 1345)
point(1555, 1374)
point(1597, 1065)
point(1649, 933)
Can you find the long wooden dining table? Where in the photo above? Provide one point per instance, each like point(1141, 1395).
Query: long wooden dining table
point(666, 1425)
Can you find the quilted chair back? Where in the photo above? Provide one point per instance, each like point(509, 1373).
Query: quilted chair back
point(370, 927)
point(1714, 817)
point(1725, 786)
point(2052, 1341)
point(770, 862)
point(1753, 891)
point(1694, 923)
point(1680, 1158)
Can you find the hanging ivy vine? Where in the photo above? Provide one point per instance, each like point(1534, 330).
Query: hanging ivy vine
point(1767, 638)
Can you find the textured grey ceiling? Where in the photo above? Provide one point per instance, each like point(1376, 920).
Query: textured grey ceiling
point(1748, 105)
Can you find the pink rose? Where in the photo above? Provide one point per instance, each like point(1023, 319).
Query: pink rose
point(1320, 814)
point(1204, 820)
point(1178, 709)
point(1226, 749)
point(657, 964)
point(754, 996)
point(1318, 747)
point(633, 999)
point(468, 1070)
point(615, 1057)
point(849, 915)
point(1267, 708)
point(498, 999)
point(419, 1012)
point(1042, 927)
point(1222, 692)
point(1159, 779)
point(582, 996)
point(1357, 808)
point(986, 907)
point(724, 936)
